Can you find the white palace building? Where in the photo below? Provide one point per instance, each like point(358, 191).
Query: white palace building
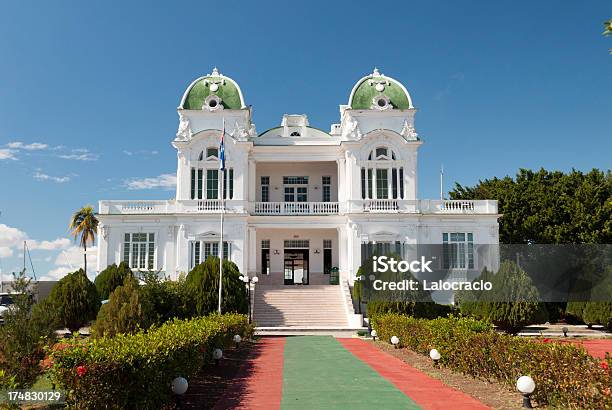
point(298, 200)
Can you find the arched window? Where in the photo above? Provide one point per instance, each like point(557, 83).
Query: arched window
point(382, 181)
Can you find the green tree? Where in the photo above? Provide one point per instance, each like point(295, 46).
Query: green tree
point(27, 328)
point(126, 311)
point(202, 288)
point(608, 30)
point(83, 227)
point(549, 206)
point(111, 278)
point(512, 303)
point(75, 300)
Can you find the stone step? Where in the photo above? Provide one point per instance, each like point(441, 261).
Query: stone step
point(316, 306)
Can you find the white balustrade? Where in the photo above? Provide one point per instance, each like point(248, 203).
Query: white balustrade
point(296, 208)
point(380, 205)
point(424, 206)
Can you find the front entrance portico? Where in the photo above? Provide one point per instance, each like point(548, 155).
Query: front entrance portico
point(299, 256)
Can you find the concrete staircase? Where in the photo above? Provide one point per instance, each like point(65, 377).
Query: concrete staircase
point(308, 309)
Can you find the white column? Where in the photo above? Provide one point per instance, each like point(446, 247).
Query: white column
point(168, 250)
point(252, 251)
point(341, 188)
point(251, 181)
point(412, 169)
point(365, 170)
point(183, 176)
point(103, 234)
point(374, 195)
point(397, 183)
point(389, 183)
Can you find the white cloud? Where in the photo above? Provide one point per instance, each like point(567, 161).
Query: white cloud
point(30, 147)
point(80, 154)
point(6, 153)
point(164, 181)
point(44, 177)
point(140, 152)
point(10, 238)
point(70, 260)
point(59, 243)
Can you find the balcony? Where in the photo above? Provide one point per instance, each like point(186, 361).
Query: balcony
point(296, 208)
point(207, 206)
point(429, 206)
point(164, 207)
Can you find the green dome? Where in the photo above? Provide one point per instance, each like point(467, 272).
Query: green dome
point(375, 86)
point(214, 84)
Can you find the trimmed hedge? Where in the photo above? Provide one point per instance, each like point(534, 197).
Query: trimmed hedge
point(565, 375)
point(427, 310)
point(135, 371)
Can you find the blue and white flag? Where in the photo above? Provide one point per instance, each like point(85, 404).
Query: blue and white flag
point(222, 149)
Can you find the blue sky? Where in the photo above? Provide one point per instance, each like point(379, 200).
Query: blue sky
point(499, 85)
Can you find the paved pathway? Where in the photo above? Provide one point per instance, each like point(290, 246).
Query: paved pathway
point(429, 393)
point(259, 382)
point(326, 373)
point(595, 347)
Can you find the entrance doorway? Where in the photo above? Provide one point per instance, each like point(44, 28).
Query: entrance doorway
point(296, 267)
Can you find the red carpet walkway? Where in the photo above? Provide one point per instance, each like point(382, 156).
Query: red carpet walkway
point(427, 392)
point(260, 381)
point(596, 348)
point(259, 384)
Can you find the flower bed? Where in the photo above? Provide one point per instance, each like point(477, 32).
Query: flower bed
point(565, 375)
point(135, 371)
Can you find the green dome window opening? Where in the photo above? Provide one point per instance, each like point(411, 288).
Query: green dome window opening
point(213, 92)
point(378, 92)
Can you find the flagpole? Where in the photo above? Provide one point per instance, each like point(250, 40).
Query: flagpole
point(222, 172)
point(221, 193)
point(441, 182)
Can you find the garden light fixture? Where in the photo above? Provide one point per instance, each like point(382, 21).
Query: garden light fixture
point(435, 356)
point(217, 355)
point(179, 387)
point(374, 334)
point(395, 341)
point(525, 385)
point(564, 330)
point(237, 340)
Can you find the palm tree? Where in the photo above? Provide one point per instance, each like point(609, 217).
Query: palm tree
point(83, 227)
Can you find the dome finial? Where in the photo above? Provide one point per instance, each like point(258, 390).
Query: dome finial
point(375, 73)
point(215, 72)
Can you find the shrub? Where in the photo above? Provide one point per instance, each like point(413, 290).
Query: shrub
point(429, 310)
point(574, 310)
point(111, 278)
point(167, 298)
point(75, 300)
point(565, 375)
point(512, 303)
point(598, 313)
point(135, 371)
point(126, 311)
point(202, 288)
point(27, 328)
point(598, 309)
